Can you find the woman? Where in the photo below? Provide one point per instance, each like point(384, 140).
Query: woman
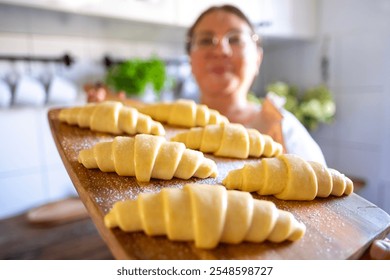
point(226, 55)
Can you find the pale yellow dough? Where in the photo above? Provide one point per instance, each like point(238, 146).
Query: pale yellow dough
point(229, 140)
point(112, 117)
point(289, 177)
point(184, 113)
point(147, 156)
point(206, 214)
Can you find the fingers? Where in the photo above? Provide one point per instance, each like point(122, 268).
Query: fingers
point(380, 250)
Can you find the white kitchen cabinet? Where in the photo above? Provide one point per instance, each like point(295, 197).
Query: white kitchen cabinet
point(21, 182)
point(289, 19)
point(19, 192)
point(19, 144)
point(188, 11)
point(31, 170)
point(152, 11)
point(273, 18)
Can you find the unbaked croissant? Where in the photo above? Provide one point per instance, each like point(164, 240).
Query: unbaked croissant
point(112, 117)
point(207, 214)
point(289, 177)
point(147, 156)
point(229, 140)
point(183, 112)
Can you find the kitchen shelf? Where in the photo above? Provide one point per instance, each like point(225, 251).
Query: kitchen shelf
point(66, 59)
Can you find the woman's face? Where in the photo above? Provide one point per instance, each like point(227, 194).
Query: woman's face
point(227, 67)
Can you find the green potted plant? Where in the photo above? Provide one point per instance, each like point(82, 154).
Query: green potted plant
point(134, 76)
point(312, 107)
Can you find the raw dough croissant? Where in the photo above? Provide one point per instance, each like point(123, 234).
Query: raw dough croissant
point(183, 112)
point(112, 117)
point(147, 156)
point(289, 177)
point(229, 140)
point(207, 214)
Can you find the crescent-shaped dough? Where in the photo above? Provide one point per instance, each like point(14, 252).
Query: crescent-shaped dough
point(147, 156)
point(206, 214)
point(184, 113)
point(229, 140)
point(112, 117)
point(289, 177)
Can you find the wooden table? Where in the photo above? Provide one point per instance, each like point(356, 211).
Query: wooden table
point(75, 240)
point(337, 227)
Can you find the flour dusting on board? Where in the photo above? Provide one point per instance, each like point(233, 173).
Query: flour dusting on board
point(337, 227)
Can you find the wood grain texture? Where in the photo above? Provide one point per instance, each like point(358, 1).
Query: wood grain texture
point(337, 227)
point(76, 240)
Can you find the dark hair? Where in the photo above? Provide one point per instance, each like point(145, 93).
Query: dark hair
point(226, 8)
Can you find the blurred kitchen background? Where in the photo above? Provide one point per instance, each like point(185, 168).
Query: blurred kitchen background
point(50, 49)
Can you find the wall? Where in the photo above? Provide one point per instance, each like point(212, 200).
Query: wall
point(27, 31)
point(359, 66)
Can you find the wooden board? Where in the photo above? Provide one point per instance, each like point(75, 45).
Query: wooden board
point(337, 227)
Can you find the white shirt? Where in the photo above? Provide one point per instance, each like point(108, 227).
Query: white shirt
point(298, 140)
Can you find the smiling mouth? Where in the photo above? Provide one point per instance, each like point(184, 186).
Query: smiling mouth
point(219, 70)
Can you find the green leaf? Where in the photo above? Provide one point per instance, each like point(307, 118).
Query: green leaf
point(312, 107)
point(133, 76)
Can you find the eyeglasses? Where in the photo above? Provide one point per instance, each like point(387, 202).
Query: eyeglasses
point(237, 41)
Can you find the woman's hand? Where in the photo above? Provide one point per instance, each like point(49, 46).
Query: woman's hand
point(95, 93)
point(99, 93)
point(380, 249)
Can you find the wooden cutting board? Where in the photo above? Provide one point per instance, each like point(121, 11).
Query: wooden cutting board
point(337, 227)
